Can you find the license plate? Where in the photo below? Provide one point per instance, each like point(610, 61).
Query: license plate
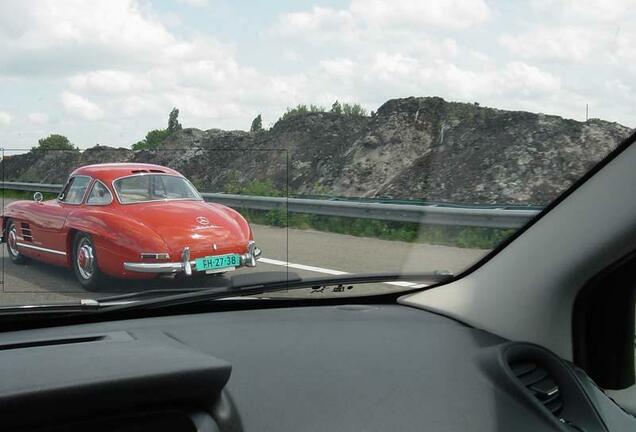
point(217, 262)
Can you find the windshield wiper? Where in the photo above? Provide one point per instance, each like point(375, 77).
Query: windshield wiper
point(251, 284)
point(83, 305)
point(241, 285)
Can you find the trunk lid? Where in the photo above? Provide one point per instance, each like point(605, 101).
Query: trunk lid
point(206, 230)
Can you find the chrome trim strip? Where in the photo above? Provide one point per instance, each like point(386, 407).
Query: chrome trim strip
point(185, 259)
point(247, 259)
point(91, 191)
point(168, 267)
point(53, 251)
point(158, 200)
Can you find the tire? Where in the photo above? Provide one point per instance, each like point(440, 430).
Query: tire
point(85, 264)
point(12, 248)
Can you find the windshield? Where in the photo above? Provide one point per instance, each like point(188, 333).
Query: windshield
point(141, 188)
point(190, 142)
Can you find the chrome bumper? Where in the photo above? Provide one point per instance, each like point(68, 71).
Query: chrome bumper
point(188, 266)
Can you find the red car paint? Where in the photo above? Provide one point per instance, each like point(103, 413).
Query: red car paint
point(121, 232)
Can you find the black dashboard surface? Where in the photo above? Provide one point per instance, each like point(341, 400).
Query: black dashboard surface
point(340, 368)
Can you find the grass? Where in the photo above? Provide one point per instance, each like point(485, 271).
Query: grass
point(458, 236)
point(24, 195)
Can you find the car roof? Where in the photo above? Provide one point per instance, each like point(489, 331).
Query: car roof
point(111, 171)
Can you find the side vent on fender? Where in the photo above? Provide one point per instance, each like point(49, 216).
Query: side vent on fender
point(26, 232)
point(539, 382)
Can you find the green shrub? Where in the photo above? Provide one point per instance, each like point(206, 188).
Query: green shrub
point(24, 195)
point(233, 185)
point(458, 236)
point(157, 136)
point(354, 110)
point(301, 109)
point(54, 142)
point(152, 140)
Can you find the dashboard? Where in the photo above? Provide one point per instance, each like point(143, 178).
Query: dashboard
point(313, 368)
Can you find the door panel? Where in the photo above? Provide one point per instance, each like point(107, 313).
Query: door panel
point(46, 225)
point(49, 215)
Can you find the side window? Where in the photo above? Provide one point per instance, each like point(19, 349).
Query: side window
point(100, 195)
point(75, 189)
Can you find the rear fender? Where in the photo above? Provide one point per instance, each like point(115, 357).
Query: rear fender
point(237, 217)
point(117, 238)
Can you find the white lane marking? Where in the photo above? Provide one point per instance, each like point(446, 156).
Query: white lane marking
point(302, 267)
point(330, 271)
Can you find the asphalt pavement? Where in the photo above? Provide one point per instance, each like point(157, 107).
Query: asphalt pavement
point(307, 253)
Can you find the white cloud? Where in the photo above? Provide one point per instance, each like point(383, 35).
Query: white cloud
point(419, 76)
point(5, 118)
point(38, 118)
point(455, 14)
point(624, 52)
point(80, 106)
point(195, 3)
point(339, 68)
point(122, 61)
point(109, 81)
point(57, 36)
point(364, 17)
point(560, 43)
point(593, 10)
point(526, 80)
point(318, 24)
point(598, 10)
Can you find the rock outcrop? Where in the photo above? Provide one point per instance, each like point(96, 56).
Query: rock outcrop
point(413, 148)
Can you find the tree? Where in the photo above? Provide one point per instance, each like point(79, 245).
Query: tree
point(353, 110)
point(152, 140)
point(301, 109)
point(257, 124)
point(54, 142)
point(173, 121)
point(156, 136)
point(336, 108)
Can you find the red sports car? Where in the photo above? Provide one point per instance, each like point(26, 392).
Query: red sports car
point(128, 221)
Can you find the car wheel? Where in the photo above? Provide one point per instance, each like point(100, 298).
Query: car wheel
point(12, 244)
point(85, 262)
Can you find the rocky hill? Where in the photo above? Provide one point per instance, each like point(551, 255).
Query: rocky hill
point(413, 148)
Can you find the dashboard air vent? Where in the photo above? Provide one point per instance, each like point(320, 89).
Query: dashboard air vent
point(539, 382)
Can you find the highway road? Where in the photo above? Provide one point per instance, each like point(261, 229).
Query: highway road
point(308, 253)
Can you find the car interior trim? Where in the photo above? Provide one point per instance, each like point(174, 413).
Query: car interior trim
point(535, 286)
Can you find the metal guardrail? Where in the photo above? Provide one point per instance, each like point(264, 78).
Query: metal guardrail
point(424, 214)
point(32, 187)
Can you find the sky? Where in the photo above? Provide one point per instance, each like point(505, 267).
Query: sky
point(106, 72)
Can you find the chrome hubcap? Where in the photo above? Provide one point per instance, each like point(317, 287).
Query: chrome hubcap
point(12, 241)
point(85, 259)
